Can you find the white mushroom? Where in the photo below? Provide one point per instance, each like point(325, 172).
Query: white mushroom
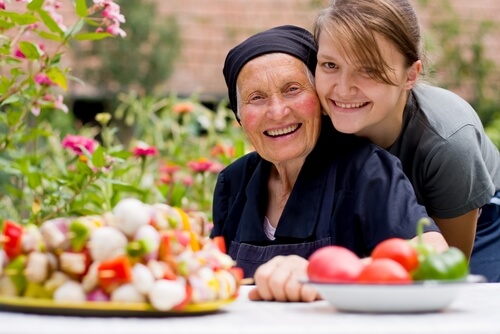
point(37, 267)
point(142, 278)
point(166, 294)
point(106, 243)
point(70, 291)
point(127, 293)
point(130, 214)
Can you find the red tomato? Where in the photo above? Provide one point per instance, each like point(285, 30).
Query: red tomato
point(384, 271)
point(114, 272)
point(220, 243)
point(334, 264)
point(12, 235)
point(399, 250)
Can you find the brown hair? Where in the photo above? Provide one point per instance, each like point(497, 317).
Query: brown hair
point(354, 23)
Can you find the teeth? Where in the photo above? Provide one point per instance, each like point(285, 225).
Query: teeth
point(349, 105)
point(280, 132)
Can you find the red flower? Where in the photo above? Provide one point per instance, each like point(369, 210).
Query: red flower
point(75, 143)
point(144, 151)
point(200, 165)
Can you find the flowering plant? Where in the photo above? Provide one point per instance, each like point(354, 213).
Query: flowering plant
point(48, 170)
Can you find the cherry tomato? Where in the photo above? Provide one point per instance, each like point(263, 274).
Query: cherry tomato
point(334, 264)
point(384, 271)
point(399, 250)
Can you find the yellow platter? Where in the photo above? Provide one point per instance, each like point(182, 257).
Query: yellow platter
point(100, 309)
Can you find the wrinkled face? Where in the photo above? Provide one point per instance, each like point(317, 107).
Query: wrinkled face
point(354, 100)
point(279, 109)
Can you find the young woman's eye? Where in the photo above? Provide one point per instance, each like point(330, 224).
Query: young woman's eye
point(330, 65)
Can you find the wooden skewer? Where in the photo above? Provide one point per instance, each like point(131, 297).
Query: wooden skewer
point(106, 273)
point(247, 281)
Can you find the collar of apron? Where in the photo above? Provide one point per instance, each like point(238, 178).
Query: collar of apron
point(300, 215)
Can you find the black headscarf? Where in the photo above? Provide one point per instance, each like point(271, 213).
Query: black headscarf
point(288, 39)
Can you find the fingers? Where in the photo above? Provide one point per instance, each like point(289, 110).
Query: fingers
point(279, 280)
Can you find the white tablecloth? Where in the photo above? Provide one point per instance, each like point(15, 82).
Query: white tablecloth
point(475, 310)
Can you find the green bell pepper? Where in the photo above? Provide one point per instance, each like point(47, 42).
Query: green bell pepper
point(449, 265)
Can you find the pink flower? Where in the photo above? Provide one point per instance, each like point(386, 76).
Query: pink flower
point(43, 79)
point(58, 102)
point(75, 143)
point(115, 29)
point(112, 12)
point(188, 181)
point(144, 151)
point(200, 165)
point(169, 168)
point(2, 4)
point(18, 53)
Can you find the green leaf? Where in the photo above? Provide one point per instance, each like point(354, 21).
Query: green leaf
point(98, 158)
point(35, 4)
point(6, 24)
point(81, 8)
point(50, 23)
point(34, 180)
point(92, 36)
point(21, 19)
point(58, 77)
point(10, 100)
point(50, 36)
point(30, 50)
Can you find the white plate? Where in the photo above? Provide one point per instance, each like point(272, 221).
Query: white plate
point(423, 296)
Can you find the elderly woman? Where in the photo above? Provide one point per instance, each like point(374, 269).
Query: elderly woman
point(306, 186)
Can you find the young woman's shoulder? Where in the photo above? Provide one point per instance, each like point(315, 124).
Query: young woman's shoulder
point(442, 112)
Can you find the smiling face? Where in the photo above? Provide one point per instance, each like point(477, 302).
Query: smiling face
point(279, 109)
point(357, 101)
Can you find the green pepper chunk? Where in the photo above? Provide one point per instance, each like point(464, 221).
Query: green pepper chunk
point(80, 233)
point(15, 271)
point(449, 265)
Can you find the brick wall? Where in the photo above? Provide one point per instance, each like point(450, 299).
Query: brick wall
point(211, 27)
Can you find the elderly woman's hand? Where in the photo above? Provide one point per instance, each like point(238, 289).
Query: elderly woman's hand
point(279, 278)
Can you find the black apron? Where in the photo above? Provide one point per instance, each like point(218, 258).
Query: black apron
point(249, 257)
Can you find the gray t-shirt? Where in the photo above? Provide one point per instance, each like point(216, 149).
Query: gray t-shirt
point(453, 166)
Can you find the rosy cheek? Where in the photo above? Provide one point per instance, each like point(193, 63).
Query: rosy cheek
point(310, 106)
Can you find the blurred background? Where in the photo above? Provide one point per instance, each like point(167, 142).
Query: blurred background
point(178, 46)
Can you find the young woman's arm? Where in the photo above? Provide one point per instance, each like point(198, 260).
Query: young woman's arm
point(460, 231)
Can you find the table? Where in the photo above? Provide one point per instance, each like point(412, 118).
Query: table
point(475, 310)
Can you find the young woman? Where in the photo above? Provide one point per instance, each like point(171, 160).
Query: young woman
point(369, 63)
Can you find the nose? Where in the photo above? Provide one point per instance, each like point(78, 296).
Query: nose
point(344, 85)
point(277, 108)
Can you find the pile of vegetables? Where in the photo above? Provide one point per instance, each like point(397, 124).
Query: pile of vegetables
point(138, 253)
point(394, 260)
